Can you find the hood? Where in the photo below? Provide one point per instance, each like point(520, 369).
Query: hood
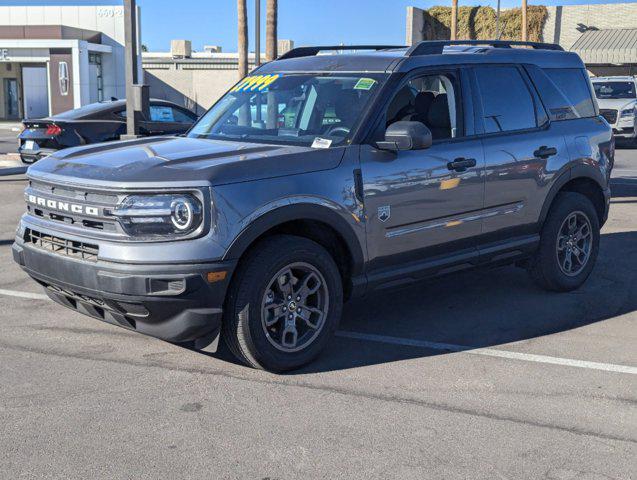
point(187, 161)
point(616, 103)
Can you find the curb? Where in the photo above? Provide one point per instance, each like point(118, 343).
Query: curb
point(12, 171)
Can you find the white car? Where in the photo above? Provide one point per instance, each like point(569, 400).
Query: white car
point(617, 100)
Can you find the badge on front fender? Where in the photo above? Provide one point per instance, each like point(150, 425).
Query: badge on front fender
point(384, 213)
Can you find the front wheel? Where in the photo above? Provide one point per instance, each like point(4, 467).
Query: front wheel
point(284, 304)
point(569, 244)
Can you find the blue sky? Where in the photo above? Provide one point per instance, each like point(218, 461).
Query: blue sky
point(213, 22)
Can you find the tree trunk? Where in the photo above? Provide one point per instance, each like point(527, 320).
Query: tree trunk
point(271, 54)
point(525, 35)
point(242, 44)
point(454, 19)
point(271, 22)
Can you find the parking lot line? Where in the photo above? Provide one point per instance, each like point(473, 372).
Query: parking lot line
point(490, 352)
point(15, 293)
point(447, 347)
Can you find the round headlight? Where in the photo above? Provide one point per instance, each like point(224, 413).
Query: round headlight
point(182, 213)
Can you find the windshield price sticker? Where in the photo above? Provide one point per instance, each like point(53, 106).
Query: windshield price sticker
point(365, 84)
point(256, 83)
point(321, 143)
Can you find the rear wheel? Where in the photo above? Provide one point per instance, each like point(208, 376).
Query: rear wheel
point(284, 304)
point(569, 244)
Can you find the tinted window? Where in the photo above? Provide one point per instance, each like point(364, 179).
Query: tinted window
point(506, 99)
point(182, 116)
point(615, 90)
point(431, 100)
point(574, 84)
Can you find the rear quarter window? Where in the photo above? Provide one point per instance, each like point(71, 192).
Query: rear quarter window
point(575, 86)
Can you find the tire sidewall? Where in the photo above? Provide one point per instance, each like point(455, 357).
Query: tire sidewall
point(249, 302)
point(567, 203)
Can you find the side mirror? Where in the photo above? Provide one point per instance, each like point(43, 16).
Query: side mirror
point(406, 136)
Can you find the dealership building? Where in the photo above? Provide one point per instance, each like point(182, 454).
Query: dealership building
point(55, 58)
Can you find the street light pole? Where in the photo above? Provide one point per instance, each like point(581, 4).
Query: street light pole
point(130, 52)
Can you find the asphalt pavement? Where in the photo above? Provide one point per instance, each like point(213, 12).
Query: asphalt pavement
point(480, 375)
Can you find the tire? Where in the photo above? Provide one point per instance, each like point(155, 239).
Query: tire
point(257, 326)
point(548, 267)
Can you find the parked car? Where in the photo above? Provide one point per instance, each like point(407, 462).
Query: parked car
point(320, 178)
point(617, 100)
point(94, 123)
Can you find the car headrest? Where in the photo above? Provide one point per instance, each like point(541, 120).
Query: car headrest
point(438, 115)
point(423, 102)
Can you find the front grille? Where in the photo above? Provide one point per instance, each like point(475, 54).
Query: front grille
point(104, 201)
point(609, 114)
point(61, 246)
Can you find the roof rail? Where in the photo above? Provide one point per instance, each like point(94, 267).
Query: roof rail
point(435, 47)
point(312, 51)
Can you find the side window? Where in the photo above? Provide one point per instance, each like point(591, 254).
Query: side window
point(506, 100)
point(182, 116)
point(574, 83)
point(121, 113)
point(430, 99)
point(162, 114)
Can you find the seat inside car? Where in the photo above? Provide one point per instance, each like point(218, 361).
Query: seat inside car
point(438, 119)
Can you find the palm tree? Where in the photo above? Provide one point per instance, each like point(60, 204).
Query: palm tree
point(454, 19)
point(525, 35)
point(271, 19)
point(242, 12)
point(271, 30)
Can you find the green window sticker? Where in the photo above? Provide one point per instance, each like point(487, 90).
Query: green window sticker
point(365, 84)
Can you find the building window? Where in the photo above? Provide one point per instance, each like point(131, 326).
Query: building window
point(96, 59)
point(63, 75)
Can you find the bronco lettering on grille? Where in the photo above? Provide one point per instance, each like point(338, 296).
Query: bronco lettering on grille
point(63, 206)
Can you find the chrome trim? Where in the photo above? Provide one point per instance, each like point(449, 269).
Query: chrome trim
point(456, 220)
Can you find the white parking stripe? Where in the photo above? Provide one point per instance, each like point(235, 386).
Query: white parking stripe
point(447, 347)
point(15, 293)
point(490, 352)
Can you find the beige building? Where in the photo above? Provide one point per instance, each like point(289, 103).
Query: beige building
point(194, 79)
point(604, 35)
point(54, 58)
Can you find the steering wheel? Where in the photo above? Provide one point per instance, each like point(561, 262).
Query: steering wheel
point(334, 130)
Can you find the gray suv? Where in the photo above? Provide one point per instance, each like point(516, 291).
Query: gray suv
point(325, 175)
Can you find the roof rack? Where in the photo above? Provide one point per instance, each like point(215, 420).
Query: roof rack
point(312, 51)
point(435, 47)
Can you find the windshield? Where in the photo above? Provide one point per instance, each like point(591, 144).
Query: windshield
point(614, 90)
point(319, 110)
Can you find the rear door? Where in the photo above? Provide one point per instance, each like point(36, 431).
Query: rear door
point(522, 150)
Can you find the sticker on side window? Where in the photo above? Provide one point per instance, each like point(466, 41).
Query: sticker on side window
point(321, 143)
point(365, 84)
point(255, 83)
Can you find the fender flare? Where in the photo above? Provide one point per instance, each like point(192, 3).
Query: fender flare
point(576, 171)
point(298, 211)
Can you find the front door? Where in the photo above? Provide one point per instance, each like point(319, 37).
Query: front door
point(424, 203)
point(10, 88)
point(35, 87)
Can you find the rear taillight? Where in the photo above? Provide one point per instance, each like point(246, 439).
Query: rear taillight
point(53, 130)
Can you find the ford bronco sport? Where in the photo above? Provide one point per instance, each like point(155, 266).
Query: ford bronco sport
point(321, 177)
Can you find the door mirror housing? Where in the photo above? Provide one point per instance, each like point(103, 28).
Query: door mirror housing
point(406, 136)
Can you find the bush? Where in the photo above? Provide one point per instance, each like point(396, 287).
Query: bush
point(478, 23)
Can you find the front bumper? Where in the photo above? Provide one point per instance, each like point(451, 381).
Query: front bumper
point(171, 302)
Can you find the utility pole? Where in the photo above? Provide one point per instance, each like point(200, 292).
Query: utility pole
point(525, 35)
point(131, 67)
point(257, 33)
point(454, 19)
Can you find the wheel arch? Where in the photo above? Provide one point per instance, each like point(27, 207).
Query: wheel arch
point(315, 222)
point(581, 179)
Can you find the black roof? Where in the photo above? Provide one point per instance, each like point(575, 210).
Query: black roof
point(389, 59)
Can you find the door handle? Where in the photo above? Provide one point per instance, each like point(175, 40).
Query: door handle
point(545, 152)
point(461, 164)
